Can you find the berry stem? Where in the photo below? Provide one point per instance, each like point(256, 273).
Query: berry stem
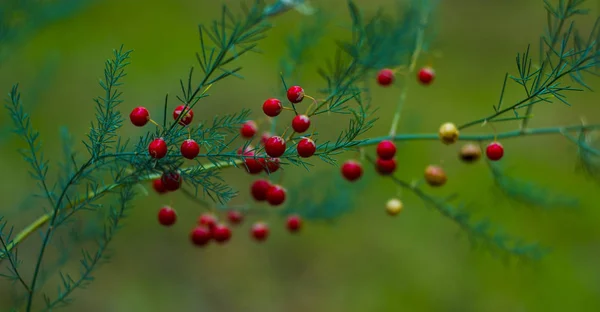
point(411, 68)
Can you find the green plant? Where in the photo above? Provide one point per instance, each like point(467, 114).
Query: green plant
point(114, 168)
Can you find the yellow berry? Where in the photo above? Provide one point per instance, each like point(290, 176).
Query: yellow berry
point(448, 133)
point(393, 206)
point(435, 175)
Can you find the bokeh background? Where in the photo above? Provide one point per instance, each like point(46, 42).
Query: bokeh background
point(365, 260)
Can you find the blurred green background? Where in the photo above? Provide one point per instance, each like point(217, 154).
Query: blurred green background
point(365, 261)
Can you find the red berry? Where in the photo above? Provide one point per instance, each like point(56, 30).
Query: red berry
point(386, 150)
point(300, 123)
point(190, 149)
point(272, 107)
point(139, 116)
point(385, 77)
point(352, 170)
point(386, 167)
point(157, 148)
point(295, 94)
point(235, 217)
point(221, 233)
point(426, 75)
point(187, 118)
point(272, 164)
point(494, 151)
point(171, 180)
point(208, 220)
point(275, 146)
point(247, 151)
point(306, 147)
point(167, 216)
point(158, 186)
point(248, 129)
point(259, 189)
point(294, 223)
point(260, 231)
point(252, 164)
point(276, 195)
point(265, 136)
point(200, 235)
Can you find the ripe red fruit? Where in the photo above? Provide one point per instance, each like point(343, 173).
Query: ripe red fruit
point(221, 233)
point(139, 116)
point(306, 147)
point(167, 216)
point(157, 148)
point(272, 107)
point(300, 123)
point(260, 231)
point(276, 195)
point(259, 189)
point(200, 235)
point(352, 170)
point(494, 151)
point(294, 223)
point(235, 217)
point(386, 167)
point(190, 149)
point(185, 119)
point(207, 220)
point(264, 137)
point(426, 75)
point(275, 146)
point(171, 180)
point(385, 77)
point(272, 165)
point(295, 94)
point(253, 165)
point(386, 150)
point(158, 186)
point(248, 129)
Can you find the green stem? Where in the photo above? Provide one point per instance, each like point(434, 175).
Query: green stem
point(373, 141)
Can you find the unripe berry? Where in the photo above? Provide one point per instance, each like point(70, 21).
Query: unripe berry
point(470, 153)
point(272, 107)
point(189, 149)
point(259, 189)
point(157, 148)
point(352, 170)
point(171, 180)
point(276, 195)
point(435, 175)
point(248, 129)
point(448, 133)
point(167, 216)
point(300, 123)
point(306, 147)
point(295, 94)
point(235, 217)
point(385, 77)
point(208, 220)
point(294, 223)
point(221, 233)
point(200, 235)
point(386, 150)
point(494, 151)
point(393, 206)
point(139, 116)
point(385, 167)
point(185, 119)
point(158, 186)
point(260, 231)
point(275, 146)
point(426, 75)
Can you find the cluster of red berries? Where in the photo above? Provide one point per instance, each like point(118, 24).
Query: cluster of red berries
point(208, 228)
point(386, 76)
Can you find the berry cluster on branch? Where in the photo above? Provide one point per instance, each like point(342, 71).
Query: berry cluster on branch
point(181, 154)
